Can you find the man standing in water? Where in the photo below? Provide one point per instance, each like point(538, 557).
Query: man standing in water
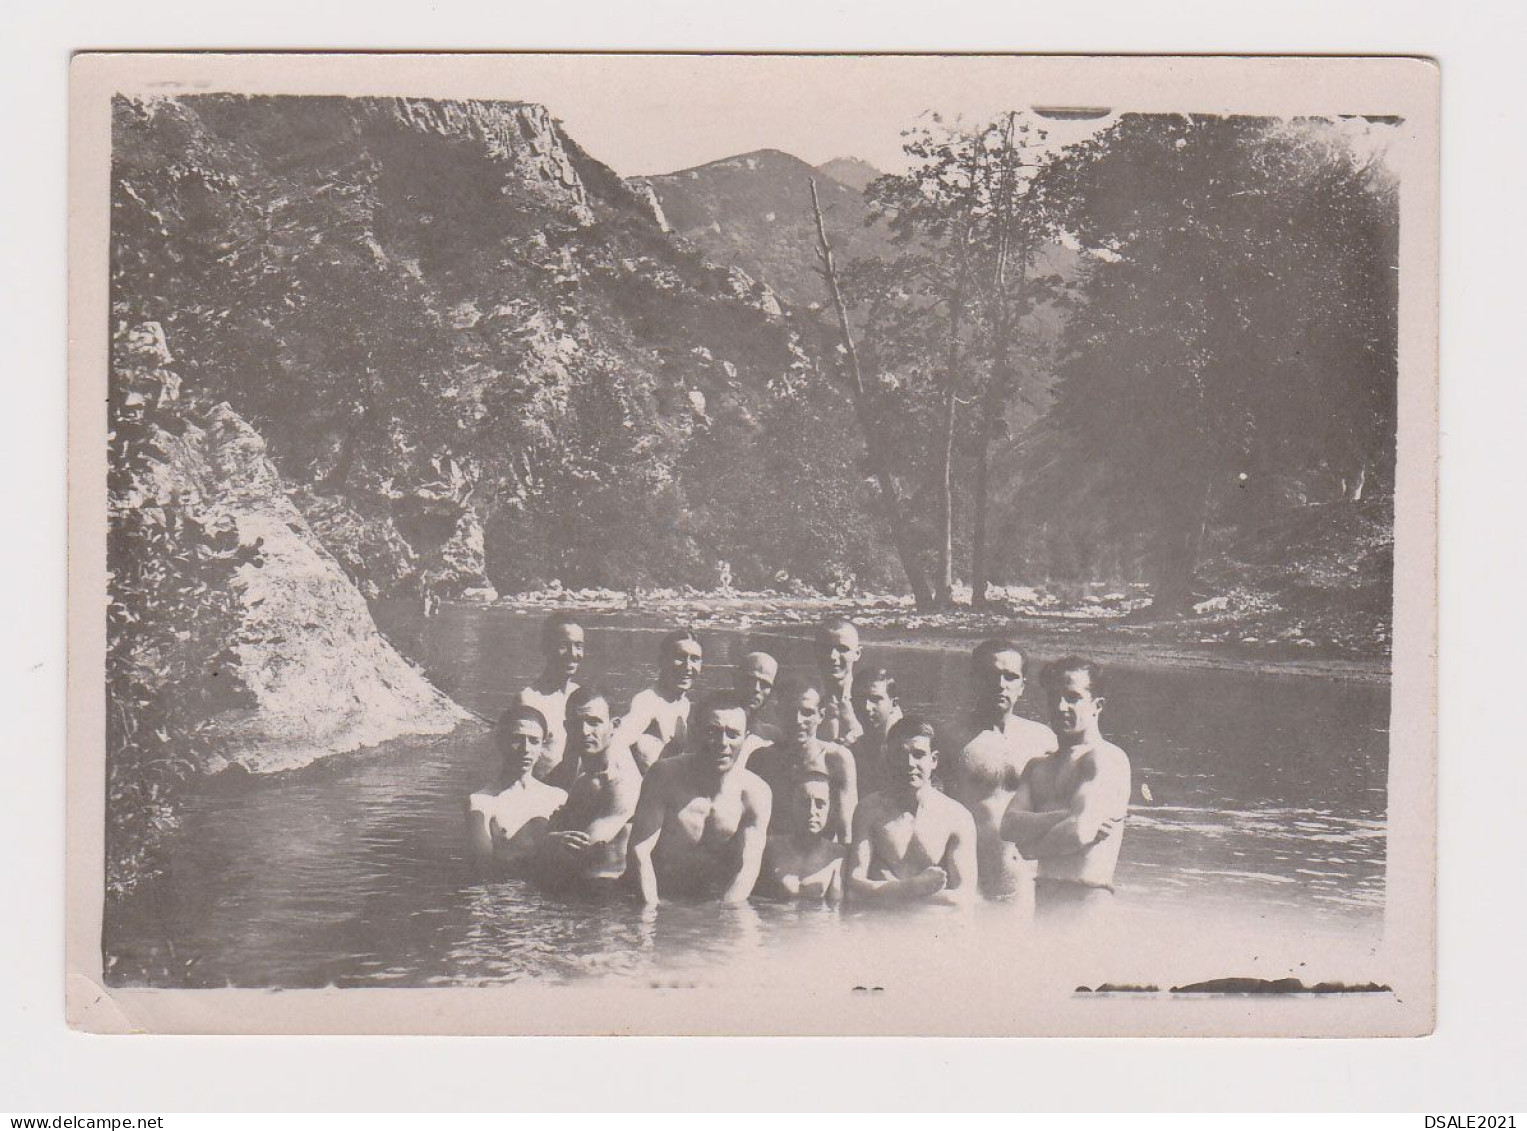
point(801, 860)
point(911, 843)
point(755, 683)
point(506, 821)
point(838, 650)
point(588, 838)
point(1069, 810)
point(800, 752)
point(984, 775)
point(876, 705)
point(562, 655)
point(657, 722)
point(701, 824)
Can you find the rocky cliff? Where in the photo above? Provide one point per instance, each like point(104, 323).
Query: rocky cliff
point(477, 355)
point(320, 678)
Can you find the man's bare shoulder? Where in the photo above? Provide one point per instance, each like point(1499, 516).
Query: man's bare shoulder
point(1108, 759)
point(645, 699)
point(753, 785)
point(951, 810)
point(836, 751)
point(1033, 738)
point(621, 764)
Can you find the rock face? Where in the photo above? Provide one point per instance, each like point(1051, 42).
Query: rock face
point(324, 680)
point(522, 136)
point(648, 196)
point(367, 544)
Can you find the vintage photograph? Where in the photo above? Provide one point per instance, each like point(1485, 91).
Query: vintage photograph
point(753, 544)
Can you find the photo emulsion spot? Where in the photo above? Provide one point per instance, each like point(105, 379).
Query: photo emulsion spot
point(905, 564)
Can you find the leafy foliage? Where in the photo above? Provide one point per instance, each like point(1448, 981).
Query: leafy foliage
point(172, 619)
point(1236, 339)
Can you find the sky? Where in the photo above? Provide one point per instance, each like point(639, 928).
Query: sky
point(646, 115)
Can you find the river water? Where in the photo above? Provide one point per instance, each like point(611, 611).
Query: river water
point(1255, 794)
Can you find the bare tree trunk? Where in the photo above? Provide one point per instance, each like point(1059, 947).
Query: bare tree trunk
point(874, 448)
point(997, 389)
point(1179, 545)
point(943, 583)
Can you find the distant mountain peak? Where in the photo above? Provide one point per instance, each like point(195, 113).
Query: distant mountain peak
point(750, 161)
point(855, 172)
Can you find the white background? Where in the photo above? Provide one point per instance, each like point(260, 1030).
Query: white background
point(1474, 1060)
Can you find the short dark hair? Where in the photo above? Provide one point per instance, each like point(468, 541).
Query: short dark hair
point(1056, 670)
point(811, 777)
point(725, 700)
point(558, 619)
point(674, 637)
point(794, 686)
point(908, 727)
point(583, 696)
point(519, 712)
point(995, 647)
point(863, 681)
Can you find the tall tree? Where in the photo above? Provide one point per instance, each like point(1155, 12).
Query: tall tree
point(970, 230)
point(874, 444)
point(1237, 328)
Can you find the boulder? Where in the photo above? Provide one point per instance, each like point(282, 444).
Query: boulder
point(323, 679)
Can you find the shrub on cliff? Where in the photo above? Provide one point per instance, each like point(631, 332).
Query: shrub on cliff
point(172, 619)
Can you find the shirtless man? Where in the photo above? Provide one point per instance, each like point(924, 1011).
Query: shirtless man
point(838, 650)
point(800, 860)
point(755, 683)
point(911, 843)
point(657, 722)
point(701, 824)
point(800, 752)
point(506, 821)
point(562, 655)
point(876, 705)
point(985, 774)
point(1068, 813)
point(588, 838)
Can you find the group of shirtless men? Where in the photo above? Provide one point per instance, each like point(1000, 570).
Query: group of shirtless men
point(837, 797)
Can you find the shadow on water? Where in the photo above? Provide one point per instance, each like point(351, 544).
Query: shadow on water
point(1263, 790)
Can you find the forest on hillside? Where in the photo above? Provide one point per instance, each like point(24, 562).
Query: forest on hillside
point(1101, 363)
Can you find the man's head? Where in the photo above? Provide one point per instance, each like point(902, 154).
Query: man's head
point(810, 801)
point(800, 710)
point(755, 679)
point(562, 645)
point(588, 722)
point(521, 737)
point(911, 753)
point(875, 700)
point(996, 678)
point(838, 648)
point(679, 659)
point(1074, 691)
point(720, 725)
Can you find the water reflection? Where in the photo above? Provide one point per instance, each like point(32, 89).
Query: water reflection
point(1268, 792)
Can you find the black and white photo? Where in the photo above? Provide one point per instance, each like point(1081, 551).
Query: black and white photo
point(754, 545)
